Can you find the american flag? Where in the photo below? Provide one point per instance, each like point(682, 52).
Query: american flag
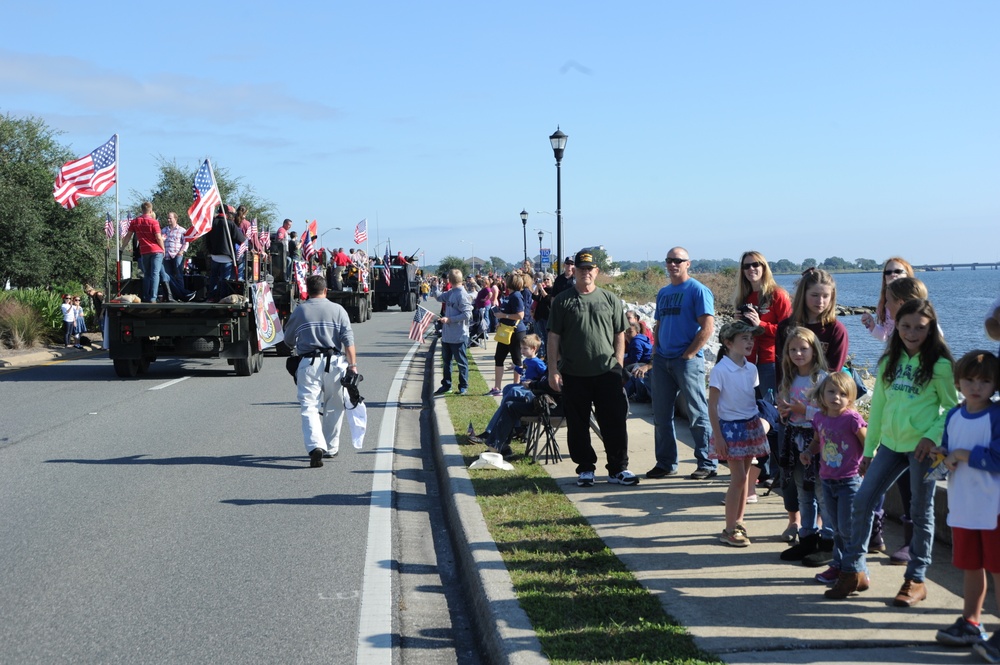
point(253, 236)
point(265, 239)
point(361, 232)
point(308, 249)
point(88, 176)
point(124, 226)
point(386, 271)
point(206, 197)
point(109, 227)
point(242, 249)
point(422, 319)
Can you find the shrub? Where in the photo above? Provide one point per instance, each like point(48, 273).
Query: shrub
point(20, 325)
point(46, 304)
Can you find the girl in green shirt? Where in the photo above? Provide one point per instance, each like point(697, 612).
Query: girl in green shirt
point(913, 394)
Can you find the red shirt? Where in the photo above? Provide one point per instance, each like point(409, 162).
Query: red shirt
point(779, 309)
point(146, 229)
point(341, 259)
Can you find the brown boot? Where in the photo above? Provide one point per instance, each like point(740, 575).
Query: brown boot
point(910, 594)
point(847, 584)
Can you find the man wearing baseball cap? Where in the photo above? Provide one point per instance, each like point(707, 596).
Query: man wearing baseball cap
point(586, 349)
point(565, 278)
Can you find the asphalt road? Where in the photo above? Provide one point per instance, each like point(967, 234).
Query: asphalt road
point(173, 518)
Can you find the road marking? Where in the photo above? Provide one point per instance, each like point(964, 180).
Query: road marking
point(375, 624)
point(170, 383)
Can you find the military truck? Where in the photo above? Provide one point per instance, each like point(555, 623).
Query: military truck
point(139, 333)
point(401, 289)
point(355, 294)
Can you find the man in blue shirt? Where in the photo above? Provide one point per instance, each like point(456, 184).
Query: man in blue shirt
point(685, 321)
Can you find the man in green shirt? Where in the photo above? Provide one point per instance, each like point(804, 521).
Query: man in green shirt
point(586, 350)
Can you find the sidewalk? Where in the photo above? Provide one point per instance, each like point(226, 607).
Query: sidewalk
point(14, 359)
point(746, 605)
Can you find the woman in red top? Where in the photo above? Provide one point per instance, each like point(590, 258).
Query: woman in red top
point(761, 302)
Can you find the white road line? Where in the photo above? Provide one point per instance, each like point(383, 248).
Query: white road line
point(170, 383)
point(375, 624)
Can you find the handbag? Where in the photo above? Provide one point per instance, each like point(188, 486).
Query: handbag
point(504, 333)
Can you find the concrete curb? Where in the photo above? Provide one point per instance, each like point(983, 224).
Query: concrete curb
point(42, 356)
point(507, 636)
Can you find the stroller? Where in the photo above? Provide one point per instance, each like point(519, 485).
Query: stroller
point(478, 328)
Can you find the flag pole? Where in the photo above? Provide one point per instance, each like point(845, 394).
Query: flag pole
point(229, 237)
point(118, 252)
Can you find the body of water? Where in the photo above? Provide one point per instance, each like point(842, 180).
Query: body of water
point(961, 298)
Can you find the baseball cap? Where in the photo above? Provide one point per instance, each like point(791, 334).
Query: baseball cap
point(584, 259)
point(738, 327)
point(568, 261)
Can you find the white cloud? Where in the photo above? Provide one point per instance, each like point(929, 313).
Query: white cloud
point(82, 84)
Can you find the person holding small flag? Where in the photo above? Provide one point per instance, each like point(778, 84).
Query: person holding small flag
point(320, 332)
point(455, 333)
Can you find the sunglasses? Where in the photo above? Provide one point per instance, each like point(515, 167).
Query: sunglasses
point(897, 271)
point(755, 264)
point(676, 262)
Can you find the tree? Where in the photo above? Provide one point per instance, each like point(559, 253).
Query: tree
point(808, 263)
point(836, 263)
point(449, 262)
point(784, 266)
point(866, 264)
point(42, 243)
point(499, 265)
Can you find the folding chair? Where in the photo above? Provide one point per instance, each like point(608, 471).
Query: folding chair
point(542, 427)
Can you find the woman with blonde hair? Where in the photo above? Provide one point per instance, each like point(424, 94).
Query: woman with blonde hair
point(881, 325)
point(761, 302)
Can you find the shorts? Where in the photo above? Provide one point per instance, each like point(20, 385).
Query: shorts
point(975, 549)
point(744, 439)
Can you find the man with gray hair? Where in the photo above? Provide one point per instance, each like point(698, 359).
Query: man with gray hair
point(320, 332)
point(455, 333)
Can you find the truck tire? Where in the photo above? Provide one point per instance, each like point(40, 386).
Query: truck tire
point(144, 364)
point(368, 310)
point(404, 302)
point(242, 366)
point(126, 368)
point(258, 362)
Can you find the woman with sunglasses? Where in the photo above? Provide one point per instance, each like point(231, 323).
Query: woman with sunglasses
point(761, 302)
point(881, 325)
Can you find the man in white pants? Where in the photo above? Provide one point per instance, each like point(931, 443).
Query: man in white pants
point(320, 332)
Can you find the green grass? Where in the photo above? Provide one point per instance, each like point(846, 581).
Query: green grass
point(585, 606)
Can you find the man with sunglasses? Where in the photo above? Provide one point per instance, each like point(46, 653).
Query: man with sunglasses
point(685, 321)
point(586, 349)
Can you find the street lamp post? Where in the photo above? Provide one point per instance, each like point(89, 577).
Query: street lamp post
point(473, 246)
point(541, 234)
point(524, 228)
point(558, 141)
point(336, 228)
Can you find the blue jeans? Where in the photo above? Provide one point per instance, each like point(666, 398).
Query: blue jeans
point(671, 377)
point(837, 505)
point(887, 466)
point(217, 277)
point(542, 330)
point(175, 275)
point(152, 266)
point(767, 378)
point(516, 402)
point(456, 351)
point(809, 505)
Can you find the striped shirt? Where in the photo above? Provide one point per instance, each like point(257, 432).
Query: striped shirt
point(173, 240)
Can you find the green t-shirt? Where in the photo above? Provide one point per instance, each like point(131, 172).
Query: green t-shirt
point(586, 325)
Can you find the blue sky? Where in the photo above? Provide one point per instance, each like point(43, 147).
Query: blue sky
point(800, 129)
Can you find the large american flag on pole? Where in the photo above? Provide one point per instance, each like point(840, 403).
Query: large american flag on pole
point(206, 198)
point(422, 319)
point(361, 232)
point(308, 248)
point(91, 175)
